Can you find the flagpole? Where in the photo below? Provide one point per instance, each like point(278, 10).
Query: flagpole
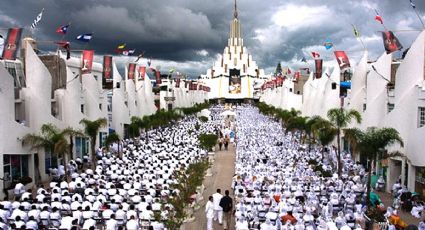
point(419, 17)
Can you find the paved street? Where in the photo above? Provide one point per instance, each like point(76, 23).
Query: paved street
point(223, 170)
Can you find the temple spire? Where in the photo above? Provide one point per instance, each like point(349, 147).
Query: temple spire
point(235, 13)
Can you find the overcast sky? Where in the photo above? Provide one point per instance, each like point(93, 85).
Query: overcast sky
point(189, 34)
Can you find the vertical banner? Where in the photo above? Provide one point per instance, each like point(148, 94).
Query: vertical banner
point(342, 59)
point(178, 82)
point(131, 71)
point(158, 77)
point(87, 61)
point(190, 85)
point(297, 76)
point(142, 73)
point(12, 43)
point(391, 43)
point(319, 63)
point(234, 81)
point(107, 75)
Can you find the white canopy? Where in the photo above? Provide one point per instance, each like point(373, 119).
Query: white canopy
point(228, 113)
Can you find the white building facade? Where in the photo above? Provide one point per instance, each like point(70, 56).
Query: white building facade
point(385, 96)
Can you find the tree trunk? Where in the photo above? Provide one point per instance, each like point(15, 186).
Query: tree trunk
point(369, 179)
point(65, 166)
point(339, 152)
point(93, 151)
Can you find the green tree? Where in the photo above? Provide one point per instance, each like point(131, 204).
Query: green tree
point(371, 144)
point(91, 129)
point(278, 69)
point(53, 140)
point(341, 118)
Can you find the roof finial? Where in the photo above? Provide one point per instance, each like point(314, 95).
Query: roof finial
point(235, 13)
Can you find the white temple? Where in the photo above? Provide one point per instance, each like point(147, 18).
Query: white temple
point(234, 75)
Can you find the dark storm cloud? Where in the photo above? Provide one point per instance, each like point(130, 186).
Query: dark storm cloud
point(190, 33)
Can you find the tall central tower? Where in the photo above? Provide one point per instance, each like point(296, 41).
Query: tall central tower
point(235, 28)
point(234, 73)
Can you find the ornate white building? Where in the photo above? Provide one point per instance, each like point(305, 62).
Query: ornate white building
point(235, 75)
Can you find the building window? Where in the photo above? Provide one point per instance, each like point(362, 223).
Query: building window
point(95, 77)
point(421, 116)
point(364, 107)
point(81, 146)
point(15, 167)
point(390, 107)
point(50, 162)
point(102, 138)
point(100, 106)
point(82, 108)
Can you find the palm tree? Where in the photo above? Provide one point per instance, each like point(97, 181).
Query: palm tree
point(52, 139)
point(341, 118)
point(91, 129)
point(134, 127)
point(113, 138)
point(372, 144)
point(323, 130)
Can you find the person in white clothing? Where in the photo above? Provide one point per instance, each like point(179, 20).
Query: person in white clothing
point(218, 210)
point(209, 210)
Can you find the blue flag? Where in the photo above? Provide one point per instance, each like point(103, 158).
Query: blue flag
point(328, 45)
point(84, 37)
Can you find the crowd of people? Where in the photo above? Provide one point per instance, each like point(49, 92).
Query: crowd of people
point(277, 184)
point(125, 191)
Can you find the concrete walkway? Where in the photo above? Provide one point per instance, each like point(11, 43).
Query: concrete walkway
point(223, 170)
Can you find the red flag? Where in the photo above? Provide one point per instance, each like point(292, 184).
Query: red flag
point(342, 59)
point(142, 72)
point(158, 77)
point(107, 72)
point(87, 61)
point(297, 76)
point(319, 63)
point(12, 43)
point(178, 82)
point(378, 17)
point(289, 71)
point(131, 71)
point(391, 43)
point(315, 55)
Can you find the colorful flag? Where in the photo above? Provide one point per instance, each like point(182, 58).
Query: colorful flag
point(62, 29)
point(87, 61)
point(304, 60)
point(391, 42)
point(412, 4)
point(356, 32)
point(319, 63)
point(65, 45)
point(128, 52)
point(289, 71)
point(12, 43)
point(122, 46)
point(171, 70)
point(131, 71)
point(107, 75)
point(342, 59)
point(315, 55)
point(37, 19)
point(142, 73)
point(84, 37)
point(378, 17)
point(328, 45)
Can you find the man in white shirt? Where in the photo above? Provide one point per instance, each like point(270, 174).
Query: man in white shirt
point(209, 210)
point(112, 224)
point(132, 224)
point(218, 211)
